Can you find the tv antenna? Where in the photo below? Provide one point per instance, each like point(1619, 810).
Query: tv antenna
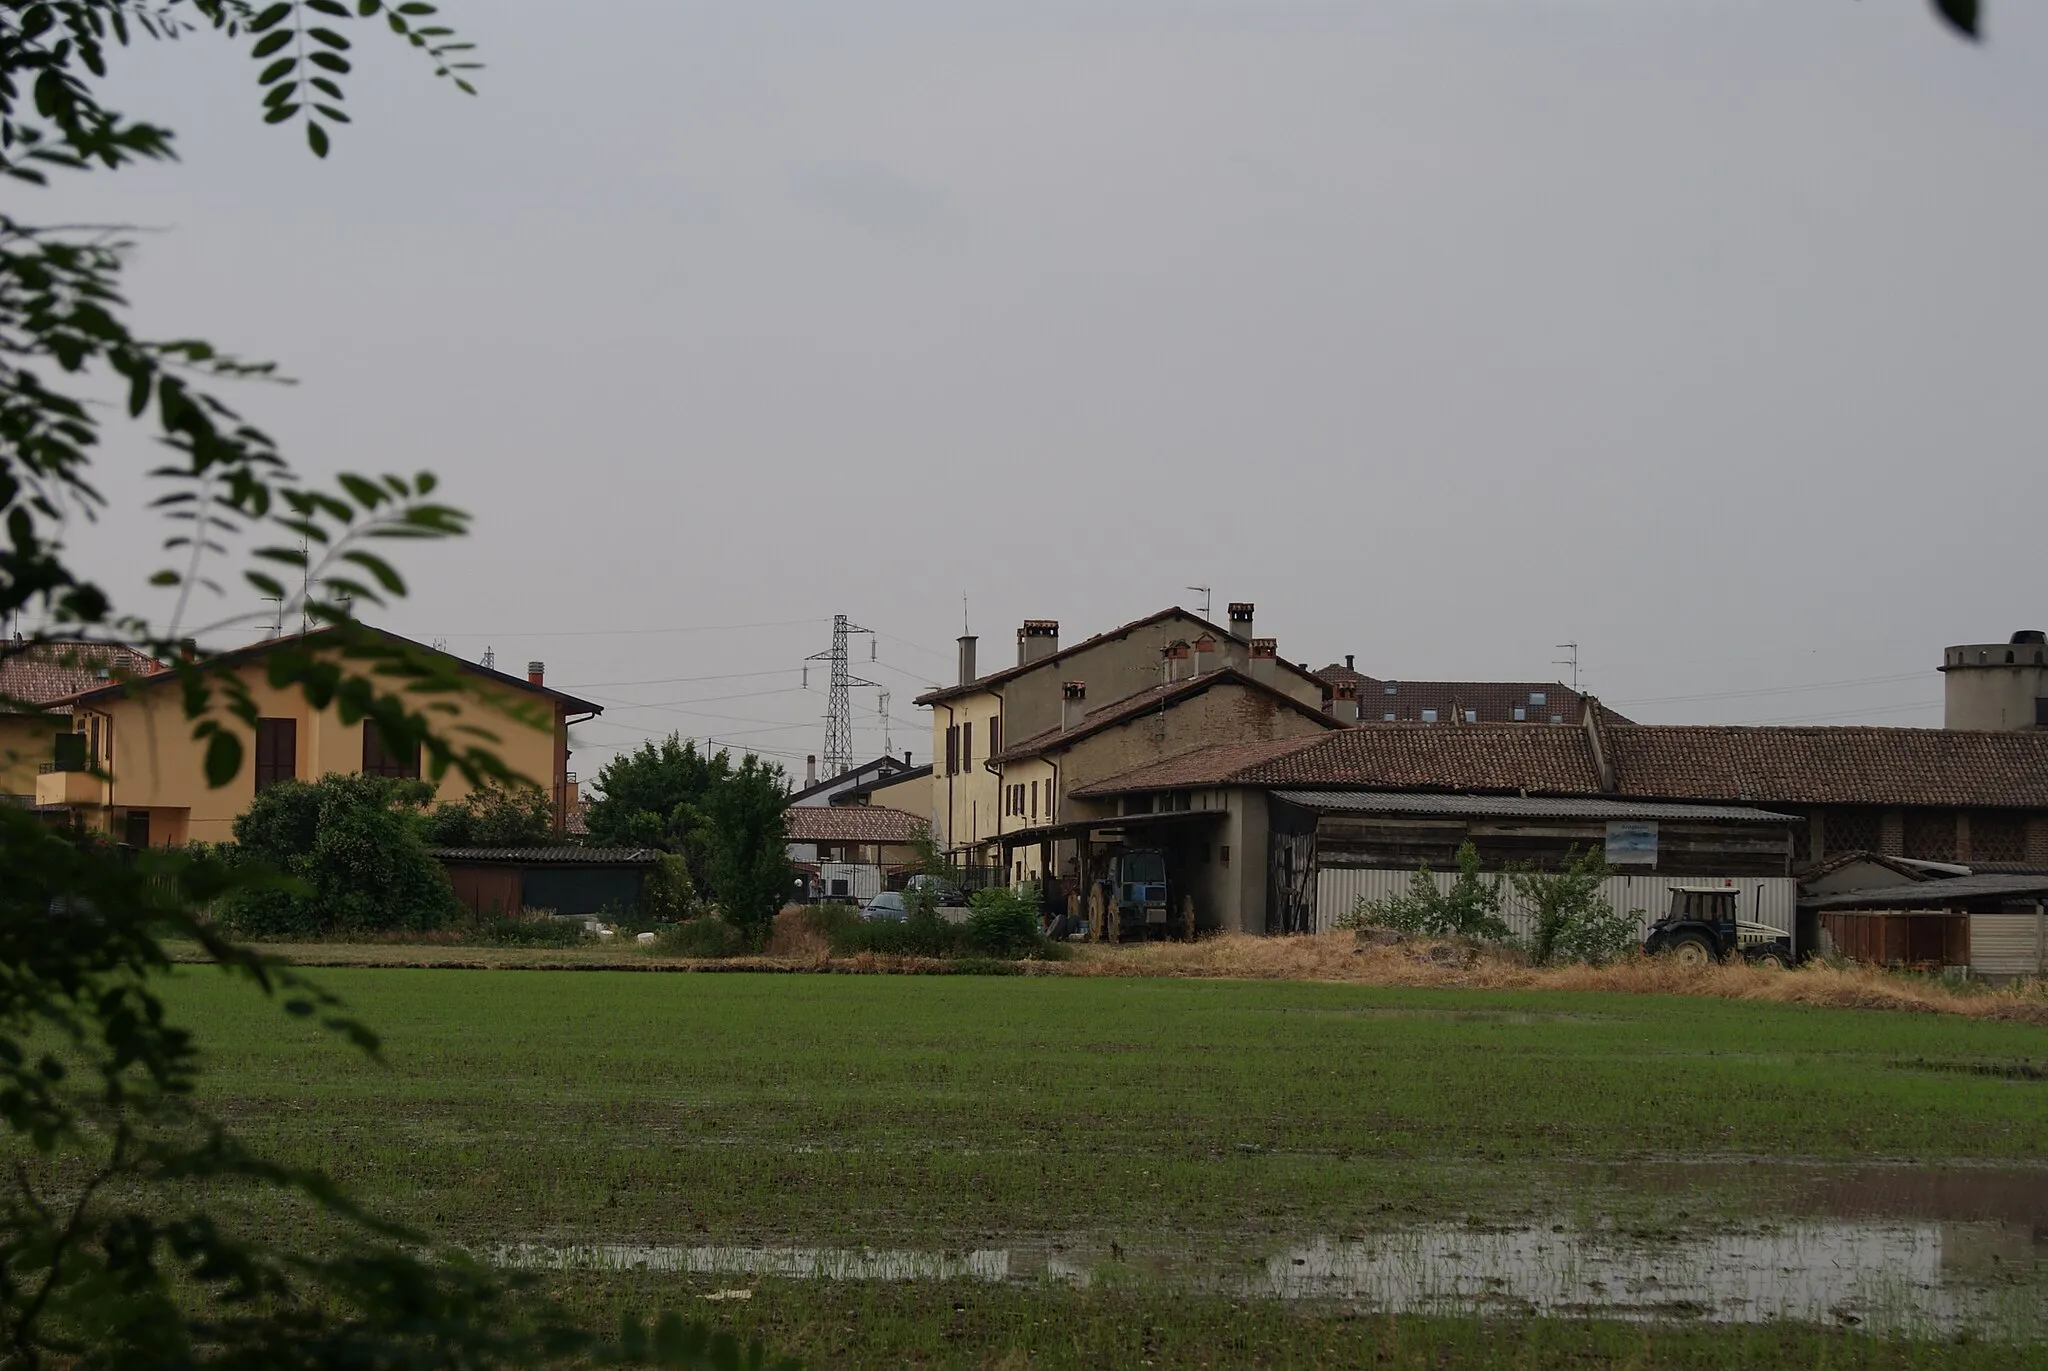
point(838, 755)
point(1204, 592)
point(1570, 659)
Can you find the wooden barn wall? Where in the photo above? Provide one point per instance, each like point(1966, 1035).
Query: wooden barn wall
point(1767, 899)
point(1683, 849)
point(487, 891)
point(1899, 939)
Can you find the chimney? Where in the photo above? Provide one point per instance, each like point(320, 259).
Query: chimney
point(906, 756)
point(1038, 638)
point(810, 771)
point(1345, 704)
point(1350, 662)
point(188, 648)
point(1596, 742)
point(1241, 618)
point(1175, 654)
point(535, 671)
point(967, 676)
point(1265, 660)
point(1073, 703)
point(1202, 646)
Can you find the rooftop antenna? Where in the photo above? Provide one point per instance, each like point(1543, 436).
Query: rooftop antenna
point(1203, 591)
point(1570, 659)
point(276, 615)
point(888, 742)
point(838, 754)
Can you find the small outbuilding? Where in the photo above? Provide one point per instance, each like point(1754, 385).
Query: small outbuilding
point(499, 882)
point(1995, 924)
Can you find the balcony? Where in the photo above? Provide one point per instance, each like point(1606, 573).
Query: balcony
point(70, 789)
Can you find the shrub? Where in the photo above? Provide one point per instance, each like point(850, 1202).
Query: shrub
point(709, 936)
point(354, 846)
point(668, 893)
point(1469, 909)
point(531, 932)
point(829, 920)
point(1571, 921)
point(494, 817)
point(921, 935)
point(1003, 922)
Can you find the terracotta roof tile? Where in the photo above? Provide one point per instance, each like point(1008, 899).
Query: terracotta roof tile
point(1157, 697)
point(1494, 701)
point(38, 673)
point(851, 824)
point(1840, 765)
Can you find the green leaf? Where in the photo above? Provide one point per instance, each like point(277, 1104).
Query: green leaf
point(270, 42)
point(276, 70)
point(377, 567)
point(333, 7)
point(280, 114)
point(164, 578)
point(329, 37)
point(1963, 15)
point(328, 60)
point(332, 113)
point(270, 18)
point(316, 138)
point(223, 758)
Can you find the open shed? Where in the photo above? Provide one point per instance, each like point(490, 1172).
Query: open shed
point(499, 882)
point(1995, 924)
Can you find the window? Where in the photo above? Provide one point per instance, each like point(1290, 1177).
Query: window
point(1387, 717)
point(2041, 711)
point(135, 832)
point(953, 750)
point(1850, 830)
point(967, 747)
point(1537, 697)
point(1390, 689)
point(1471, 716)
point(1557, 718)
point(277, 752)
point(380, 759)
point(1521, 714)
point(1931, 835)
point(1429, 716)
point(1998, 837)
point(995, 733)
point(1034, 799)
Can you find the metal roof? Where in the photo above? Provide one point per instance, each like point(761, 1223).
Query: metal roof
point(1948, 891)
point(549, 856)
point(1515, 807)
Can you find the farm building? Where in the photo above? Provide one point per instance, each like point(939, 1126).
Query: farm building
point(502, 881)
point(1994, 923)
point(851, 852)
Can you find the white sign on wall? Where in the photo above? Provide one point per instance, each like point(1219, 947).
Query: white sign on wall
point(1631, 843)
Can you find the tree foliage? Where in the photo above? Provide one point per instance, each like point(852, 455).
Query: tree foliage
point(356, 851)
point(112, 1252)
point(1470, 908)
point(494, 816)
point(1570, 921)
point(747, 840)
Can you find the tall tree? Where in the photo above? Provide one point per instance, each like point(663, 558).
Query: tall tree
point(110, 1254)
point(747, 836)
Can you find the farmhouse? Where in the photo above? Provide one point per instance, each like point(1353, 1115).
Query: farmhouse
point(850, 851)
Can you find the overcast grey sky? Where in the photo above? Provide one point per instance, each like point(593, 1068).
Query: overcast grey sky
point(1706, 333)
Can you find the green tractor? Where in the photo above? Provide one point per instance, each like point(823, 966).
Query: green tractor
point(1704, 924)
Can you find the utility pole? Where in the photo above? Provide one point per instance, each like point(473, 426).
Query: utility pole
point(838, 754)
point(1571, 659)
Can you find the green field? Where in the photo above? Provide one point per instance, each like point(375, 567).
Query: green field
point(1196, 1171)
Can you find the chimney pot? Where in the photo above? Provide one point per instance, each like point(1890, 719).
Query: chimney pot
point(810, 771)
point(1241, 618)
point(1073, 695)
point(535, 671)
point(1265, 660)
point(1037, 638)
point(1350, 662)
point(967, 676)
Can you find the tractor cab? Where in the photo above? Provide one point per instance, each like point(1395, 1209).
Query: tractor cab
point(1704, 924)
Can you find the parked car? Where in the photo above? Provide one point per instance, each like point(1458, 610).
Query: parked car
point(950, 897)
point(887, 907)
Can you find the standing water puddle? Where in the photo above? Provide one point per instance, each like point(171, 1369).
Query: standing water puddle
point(1887, 1277)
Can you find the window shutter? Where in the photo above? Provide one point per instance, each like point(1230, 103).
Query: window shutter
point(967, 747)
point(277, 752)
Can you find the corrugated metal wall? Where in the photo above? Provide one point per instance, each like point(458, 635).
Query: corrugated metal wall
point(1339, 888)
point(2006, 944)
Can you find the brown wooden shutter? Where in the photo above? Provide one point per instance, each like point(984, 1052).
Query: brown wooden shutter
point(277, 752)
point(967, 747)
point(379, 760)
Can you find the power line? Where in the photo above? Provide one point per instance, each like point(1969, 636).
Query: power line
point(1848, 713)
point(685, 680)
point(636, 632)
point(1772, 690)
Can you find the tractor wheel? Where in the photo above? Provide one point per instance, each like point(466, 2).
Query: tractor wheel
point(1770, 956)
point(1690, 949)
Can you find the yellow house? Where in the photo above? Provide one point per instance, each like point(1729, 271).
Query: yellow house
point(143, 779)
point(33, 675)
point(986, 786)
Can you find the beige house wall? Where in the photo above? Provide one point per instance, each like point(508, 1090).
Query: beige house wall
point(912, 795)
point(153, 762)
point(965, 802)
point(1995, 698)
point(24, 746)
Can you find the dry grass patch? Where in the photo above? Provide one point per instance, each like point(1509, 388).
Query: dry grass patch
point(1432, 964)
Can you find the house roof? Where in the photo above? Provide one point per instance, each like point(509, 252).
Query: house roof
point(37, 673)
point(237, 656)
point(853, 794)
point(550, 856)
point(995, 678)
point(1493, 701)
point(851, 824)
point(882, 768)
point(1900, 767)
point(1510, 758)
point(1517, 807)
point(1840, 765)
point(1953, 890)
point(1157, 697)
